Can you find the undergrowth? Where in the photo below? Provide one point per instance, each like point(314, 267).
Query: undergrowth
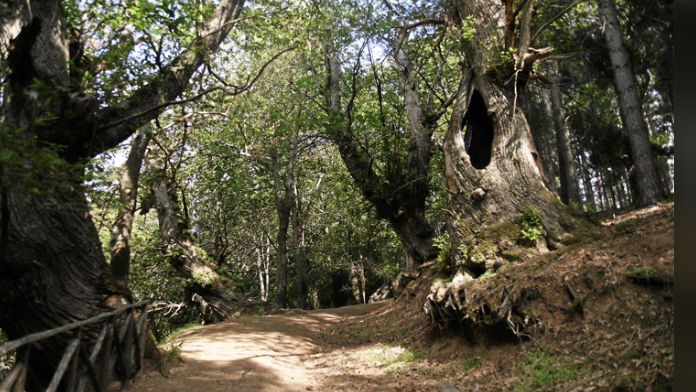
point(542, 370)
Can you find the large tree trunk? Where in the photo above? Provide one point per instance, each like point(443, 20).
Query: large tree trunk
point(496, 175)
point(540, 123)
point(52, 269)
point(492, 170)
point(570, 190)
point(646, 183)
point(491, 166)
point(398, 197)
point(128, 189)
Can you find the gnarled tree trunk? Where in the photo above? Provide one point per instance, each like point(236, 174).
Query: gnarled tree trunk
point(205, 285)
point(52, 269)
point(492, 170)
point(398, 197)
point(491, 166)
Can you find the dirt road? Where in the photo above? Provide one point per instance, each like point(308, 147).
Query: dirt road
point(267, 353)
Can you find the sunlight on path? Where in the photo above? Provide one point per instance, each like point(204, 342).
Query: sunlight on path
point(268, 353)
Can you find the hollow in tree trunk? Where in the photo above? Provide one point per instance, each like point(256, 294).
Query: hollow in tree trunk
point(491, 166)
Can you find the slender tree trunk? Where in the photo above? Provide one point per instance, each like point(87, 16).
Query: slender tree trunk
point(570, 192)
point(627, 187)
point(664, 175)
point(647, 187)
point(300, 254)
point(284, 204)
point(587, 181)
point(128, 189)
point(357, 280)
point(262, 267)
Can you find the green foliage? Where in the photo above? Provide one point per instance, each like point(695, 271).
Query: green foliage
point(444, 244)
point(535, 265)
point(173, 350)
point(406, 356)
point(530, 226)
point(471, 363)
point(468, 28)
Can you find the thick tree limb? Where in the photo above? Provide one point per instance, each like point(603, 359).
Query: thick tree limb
point(150, 100)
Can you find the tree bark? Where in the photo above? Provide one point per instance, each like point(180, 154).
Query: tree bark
point(646, 183)
point(53, 270)
point(540, 123)
point(490, 181)
point(570, 191)
point(357, 281)
point(128, 189)
point(284, 205)
point(300, 253)
point(587, 181)
point(398, 197)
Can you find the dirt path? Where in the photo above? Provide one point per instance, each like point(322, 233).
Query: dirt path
point(267, 353)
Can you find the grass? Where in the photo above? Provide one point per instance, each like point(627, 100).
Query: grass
point(642, 273)
point(535, 265)
point(174, 350)
point(542, 370)
point(394, 358)
point(625, 225)
point(406, 356)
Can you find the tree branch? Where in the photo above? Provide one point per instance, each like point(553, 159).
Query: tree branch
point(426, 21)
point(166, 86)
point(554, 18)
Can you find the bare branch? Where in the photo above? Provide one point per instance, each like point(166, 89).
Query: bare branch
point(554, 18)
point(426, 21)
point(354, 82)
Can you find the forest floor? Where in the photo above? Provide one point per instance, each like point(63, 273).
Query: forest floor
point(614, 332)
